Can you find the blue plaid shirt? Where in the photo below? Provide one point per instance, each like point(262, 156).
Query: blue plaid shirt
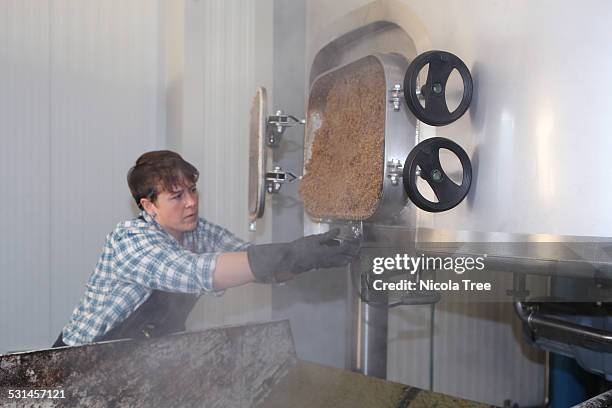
point(140, 256)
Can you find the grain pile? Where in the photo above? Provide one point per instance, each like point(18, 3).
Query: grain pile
point(344, 175)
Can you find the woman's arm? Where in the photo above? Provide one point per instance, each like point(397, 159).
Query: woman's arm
point(232, 269)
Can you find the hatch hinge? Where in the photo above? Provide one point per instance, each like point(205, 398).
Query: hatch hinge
point(277, 124)
point(277, 177)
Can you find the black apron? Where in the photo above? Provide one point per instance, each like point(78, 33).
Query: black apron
point(161, 314)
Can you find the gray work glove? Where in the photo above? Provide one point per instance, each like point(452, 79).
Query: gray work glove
point(280, 262)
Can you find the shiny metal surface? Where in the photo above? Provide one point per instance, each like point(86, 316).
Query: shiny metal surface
point(525, 186)
point(564, 331)
point(257, 156)
point(399, 129)
point(367, 348)
point(277, 124)
point(540, 254)
point(537, 128)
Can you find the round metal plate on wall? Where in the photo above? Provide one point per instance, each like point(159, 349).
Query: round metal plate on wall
point(257, 156)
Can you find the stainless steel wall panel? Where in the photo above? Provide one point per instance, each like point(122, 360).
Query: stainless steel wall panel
point(480, 354)
point(410, 345)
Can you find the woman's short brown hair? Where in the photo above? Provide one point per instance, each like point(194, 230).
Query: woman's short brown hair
point(158, 171)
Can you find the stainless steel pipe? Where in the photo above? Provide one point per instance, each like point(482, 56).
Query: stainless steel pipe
point(367, 348)
point(562, 330)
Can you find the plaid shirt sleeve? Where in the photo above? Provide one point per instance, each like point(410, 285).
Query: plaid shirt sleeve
point(150, 260)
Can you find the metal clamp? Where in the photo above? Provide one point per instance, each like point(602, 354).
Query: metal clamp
point(277, 125)
point(395, 170)
point(396, 96)
point(276, 178)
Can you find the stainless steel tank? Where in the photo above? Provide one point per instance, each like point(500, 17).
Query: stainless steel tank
point(531, 179)
point(536, 131)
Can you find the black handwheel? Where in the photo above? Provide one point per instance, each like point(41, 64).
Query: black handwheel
point(441, 64)
point(426, 156)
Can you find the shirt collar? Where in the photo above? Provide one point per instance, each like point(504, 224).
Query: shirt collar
point(150, 220)
point(145, 215)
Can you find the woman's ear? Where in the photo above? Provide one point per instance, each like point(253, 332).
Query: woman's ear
point(148, 206)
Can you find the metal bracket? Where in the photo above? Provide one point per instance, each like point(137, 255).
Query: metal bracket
point(395, 169)
point(277, 125)
point(396, 96)
point(519, 290)
point(276, 178)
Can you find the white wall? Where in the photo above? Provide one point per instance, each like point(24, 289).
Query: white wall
point(86, 87)
point(172, 50)
point(80, 99)
point(227, 54)
point(24, 175)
